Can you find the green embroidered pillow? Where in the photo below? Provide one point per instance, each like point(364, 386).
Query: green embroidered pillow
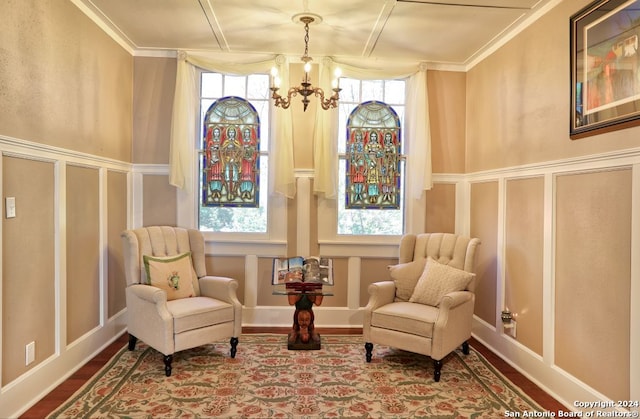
point(174, 274)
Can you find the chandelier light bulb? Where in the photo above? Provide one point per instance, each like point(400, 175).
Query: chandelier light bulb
point(337, 73)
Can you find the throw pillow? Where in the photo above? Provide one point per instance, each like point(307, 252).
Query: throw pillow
point(405, 276)
point(438, 280)
point(172, 274)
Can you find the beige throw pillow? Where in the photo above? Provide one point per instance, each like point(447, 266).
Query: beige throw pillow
point(405, 276)
point(174, 274)
point(438, 280)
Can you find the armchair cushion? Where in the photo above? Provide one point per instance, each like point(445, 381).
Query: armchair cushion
point(199, 312)
point(405, 276)
point(173, 274)
point(437, 280)
point(405, 317)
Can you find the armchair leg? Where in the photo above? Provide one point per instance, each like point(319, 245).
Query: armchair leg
point(167, 365)
point(234, 346)
point(465, 347)
point(437, 366)
point(369, 348)
point(132, 342)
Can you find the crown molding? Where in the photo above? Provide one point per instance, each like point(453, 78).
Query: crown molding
point(508, 34)
point(99, 19)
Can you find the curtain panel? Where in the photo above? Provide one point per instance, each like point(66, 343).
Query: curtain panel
point(417, 137)
point(282, 179)
point(282, 176)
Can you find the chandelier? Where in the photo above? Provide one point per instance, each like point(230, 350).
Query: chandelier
point(305, 89)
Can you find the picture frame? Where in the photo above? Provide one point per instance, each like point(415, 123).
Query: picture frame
point(605, 67)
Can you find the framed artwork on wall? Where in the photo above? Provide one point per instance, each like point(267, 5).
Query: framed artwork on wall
point(605, 67)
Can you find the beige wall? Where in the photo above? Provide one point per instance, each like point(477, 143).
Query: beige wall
point(66, 113)
point(265, 295)
point(576, 224)
point(158, 201)
point(593, 279)
point(373, 270)
point(28, 265)
point(116, 223)
point(229, 266)
point(154, 83)
point(440, 215)
point(83, 251)
point(447, 96)
point(484, 225)
point(524, 235)
point(64, 82)
point(518, 100)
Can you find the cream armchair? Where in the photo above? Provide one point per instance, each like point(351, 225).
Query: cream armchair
point(428, 306)
point(184, 307)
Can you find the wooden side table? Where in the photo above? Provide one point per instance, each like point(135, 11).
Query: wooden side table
point(304, 296)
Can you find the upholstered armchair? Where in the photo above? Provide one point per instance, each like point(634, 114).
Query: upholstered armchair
point(172, 304)
point(428, 306)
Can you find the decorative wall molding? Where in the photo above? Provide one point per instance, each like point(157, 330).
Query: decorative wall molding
point(10, 146)
point(19, 394)
point(540, 369)
point(608, 160)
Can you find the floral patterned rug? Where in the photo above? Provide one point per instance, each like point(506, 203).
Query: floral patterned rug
point(266, 380)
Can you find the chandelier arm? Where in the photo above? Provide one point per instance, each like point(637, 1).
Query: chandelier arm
point(330, 102)
point(279, 100)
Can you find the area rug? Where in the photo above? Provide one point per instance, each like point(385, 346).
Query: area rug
point(266, 380)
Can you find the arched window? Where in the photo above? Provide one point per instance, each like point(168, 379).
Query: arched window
point(231, 158)
point(373, 146)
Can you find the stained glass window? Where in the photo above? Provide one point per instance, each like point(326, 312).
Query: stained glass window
point(373, 157)
point(231, 159)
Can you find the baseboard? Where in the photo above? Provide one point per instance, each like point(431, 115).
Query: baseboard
point(559, 384)
point(321, 330)
point(22, 393)
point(282, 316)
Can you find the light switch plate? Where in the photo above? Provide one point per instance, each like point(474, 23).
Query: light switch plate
point(30, 353)
point(10, 206)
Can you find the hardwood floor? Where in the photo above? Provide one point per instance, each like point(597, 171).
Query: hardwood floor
point(61, 393)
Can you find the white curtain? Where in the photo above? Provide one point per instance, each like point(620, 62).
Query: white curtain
point(325, 140)
point(417, 135)
point(418, 149)
point(183, 119)
point(418, 140)
point(186, 102)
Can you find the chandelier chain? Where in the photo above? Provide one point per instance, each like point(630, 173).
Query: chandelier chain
point(306, 40)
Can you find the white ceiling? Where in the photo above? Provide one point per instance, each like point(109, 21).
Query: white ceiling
point(440, 32)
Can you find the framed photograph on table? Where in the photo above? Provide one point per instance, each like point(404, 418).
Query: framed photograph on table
point(605, 67)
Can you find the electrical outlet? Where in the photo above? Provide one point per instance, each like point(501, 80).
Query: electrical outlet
point(510, 329)
point(30, 351)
